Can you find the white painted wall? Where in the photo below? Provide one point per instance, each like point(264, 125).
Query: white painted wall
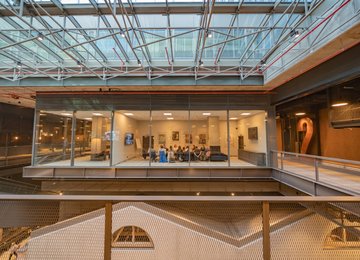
point(258, 121)
point(123, 125)
point(196, 128)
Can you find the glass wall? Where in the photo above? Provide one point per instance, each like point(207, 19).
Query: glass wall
point(92, 138)
point(52, 143)
point(248, 144)
point(170, 138)
point(170, 129)
point(131, 138)
point(209, 138)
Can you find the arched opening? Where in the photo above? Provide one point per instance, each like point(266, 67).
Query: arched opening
point(340, 238)
point(131, 237)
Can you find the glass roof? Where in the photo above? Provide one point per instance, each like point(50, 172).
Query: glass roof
point(100, 40)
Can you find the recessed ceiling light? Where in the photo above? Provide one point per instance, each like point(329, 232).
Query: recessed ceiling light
point(128, 114)
point(232, 194)
point(167, 114)
point(170, 118)
point(245, 114)
point(66, 114)
point(233, 118)
point(339, 104)
point(300, 114)
point(206, 114)
point(97, 114)
point(88, 118)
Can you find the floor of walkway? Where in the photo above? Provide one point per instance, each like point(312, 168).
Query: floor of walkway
point(342, 176)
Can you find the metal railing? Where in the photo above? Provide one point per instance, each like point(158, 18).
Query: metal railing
point(338, 173)
point(15, 155)
point(251, 227)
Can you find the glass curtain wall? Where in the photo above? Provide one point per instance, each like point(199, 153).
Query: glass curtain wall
point(52, 142)
point(170, 129)
point(209, 138)
point(248, 144)
point(131, 138)
point(169, 138)
point(92, 138)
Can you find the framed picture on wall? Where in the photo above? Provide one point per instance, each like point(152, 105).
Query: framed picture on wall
point(175, 135)
point(253, 133)
point(162, 138)
point(202, 138)
point(187, 138)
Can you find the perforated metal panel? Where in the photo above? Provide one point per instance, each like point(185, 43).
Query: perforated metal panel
point(314, 230)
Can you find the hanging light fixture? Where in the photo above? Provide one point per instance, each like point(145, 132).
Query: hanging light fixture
point(139, 63)
point(263, 63)
point(201, 64)
point(122, 33)
point(40, 36)
point(78, 63)
point(294, 33)
point(19, 64)
point(208, 34)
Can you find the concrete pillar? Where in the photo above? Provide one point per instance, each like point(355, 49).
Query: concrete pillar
point(213, 131)
point(98, 138)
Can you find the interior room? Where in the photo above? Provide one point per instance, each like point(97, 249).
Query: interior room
point(168, 138)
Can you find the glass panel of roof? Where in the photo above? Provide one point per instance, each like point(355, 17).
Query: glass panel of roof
point(51, 23)
point(153, 20)
point(113, 23)
point(4, 25)
point(184, 20)
point(249, 20)
point(184, 46)
point(87, 21)
point(220, 20)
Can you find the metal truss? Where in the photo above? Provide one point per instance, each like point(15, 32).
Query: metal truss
point(71, 48)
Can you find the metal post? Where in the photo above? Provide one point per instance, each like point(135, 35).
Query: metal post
point(112, 137)
point(282, 164)
point(35, 136)
point(316, 170)
point(150, 119)
point(228, 135)
point(108, 227)
point(266, 230)
point(189, 122)
point(73, 136)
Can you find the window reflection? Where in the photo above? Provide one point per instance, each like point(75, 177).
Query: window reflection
point(53, 138)
point(92, 138)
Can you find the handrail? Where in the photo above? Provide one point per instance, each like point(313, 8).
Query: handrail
point(319, 157)
point(14, 197)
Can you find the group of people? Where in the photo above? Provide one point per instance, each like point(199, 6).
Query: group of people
point(179, 153)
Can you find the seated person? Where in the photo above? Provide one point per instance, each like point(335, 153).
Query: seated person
point(175, 148)
point(180, 154)
point(207, 154)
point(162, 155)
point(193, 148)
point(152, 154)
point(171, 155)
point(202, 150)
point(197, 154)
point(186, 149)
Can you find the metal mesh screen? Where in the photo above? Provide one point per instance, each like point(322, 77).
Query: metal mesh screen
point(179, 230)
point(315, 230)
point(51, 230)
point(192, 230)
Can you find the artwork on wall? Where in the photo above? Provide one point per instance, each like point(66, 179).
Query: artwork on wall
point(187, 138)
point(231, 139)
point(175, 135)
point(202, 138)
point(162, 138)
point(253, 133)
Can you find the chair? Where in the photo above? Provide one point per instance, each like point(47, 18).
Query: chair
point(153, 156)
